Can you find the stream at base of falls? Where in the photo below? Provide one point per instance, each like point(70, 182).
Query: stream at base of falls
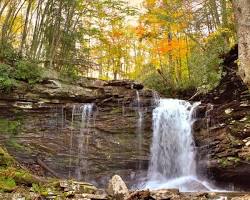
point(172, 160)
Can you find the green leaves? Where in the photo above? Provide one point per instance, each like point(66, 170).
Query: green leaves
point(6, 80)
point(28, 71)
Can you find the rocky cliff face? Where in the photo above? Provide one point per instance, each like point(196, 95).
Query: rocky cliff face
point(46, 128)
point(222, 131)
point(93, 129)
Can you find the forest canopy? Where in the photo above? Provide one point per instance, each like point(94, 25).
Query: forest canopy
point(174, 44)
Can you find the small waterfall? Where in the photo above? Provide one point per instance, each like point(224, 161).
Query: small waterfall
point(83, 140)
point(172, 152)
point(86, 115)
point(139, 127)
point(172, 163)
point(71, 139)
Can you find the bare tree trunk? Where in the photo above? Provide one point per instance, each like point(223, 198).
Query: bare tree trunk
point(214, 11)
point(223, 4)
point(242, 15)
point(3, 7)
point(25, 29)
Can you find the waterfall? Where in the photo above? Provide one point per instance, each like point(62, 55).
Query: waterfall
point(172, 153)
point(71, 139)
point(83, 140)
point(85, 114)
point(172, 161)
point(139, 127)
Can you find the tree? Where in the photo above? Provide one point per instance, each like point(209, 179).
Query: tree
point(242, 14)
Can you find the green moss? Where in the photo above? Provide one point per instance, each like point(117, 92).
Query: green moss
point(16, 179)
point(233, 159)
point(9, 126)
point(13, 143)
point(7, 83)
point(5, 158)
point(46, 189)
point(223, 162)
point(228, 161)
point(39, 189)
point(239, 125)
point(116, 110)
point(10, 170)
point(7, 184)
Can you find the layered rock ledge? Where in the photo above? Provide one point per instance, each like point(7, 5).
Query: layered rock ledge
point(41, 127)
point(222, 131)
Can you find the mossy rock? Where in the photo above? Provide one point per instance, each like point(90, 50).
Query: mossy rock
point(11, 127)
point(13, 177)
point(11, 174)
point(14, 144)
point(77, 187)
point(7, 184)
point(5, 158)
point(228, 161)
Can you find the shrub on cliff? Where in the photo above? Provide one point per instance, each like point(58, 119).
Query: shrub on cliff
point(8, 54)
point(6, 80)
point(28, 71)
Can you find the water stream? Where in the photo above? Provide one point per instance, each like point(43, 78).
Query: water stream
point(172, 161)
point(139, 127)
point(83, 141)
point(86, 115)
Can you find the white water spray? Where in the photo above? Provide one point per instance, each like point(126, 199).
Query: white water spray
point(85, 113)
point(83, 140)
point(71, 140)
point(172, 163)
point(139, 127)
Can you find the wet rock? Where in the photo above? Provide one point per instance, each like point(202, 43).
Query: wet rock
point(45, 112)
point(165, 194)
point(221, 135)
point(91, 196)
point(246, 197)
point(117, 187)
point(126, 84)
point(142, 195)
point(228, 111)
point(77, 187)
point(18, 196)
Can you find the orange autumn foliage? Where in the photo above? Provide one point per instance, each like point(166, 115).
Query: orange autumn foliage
point(176, 46)
point(140, 31)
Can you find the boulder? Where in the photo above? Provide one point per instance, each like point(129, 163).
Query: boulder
point(117, 187)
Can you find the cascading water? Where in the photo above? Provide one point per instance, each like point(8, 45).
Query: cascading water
point(71, 139)
point(172, 163)
point(139, 127)
point(83, 140)
point(85, 112)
